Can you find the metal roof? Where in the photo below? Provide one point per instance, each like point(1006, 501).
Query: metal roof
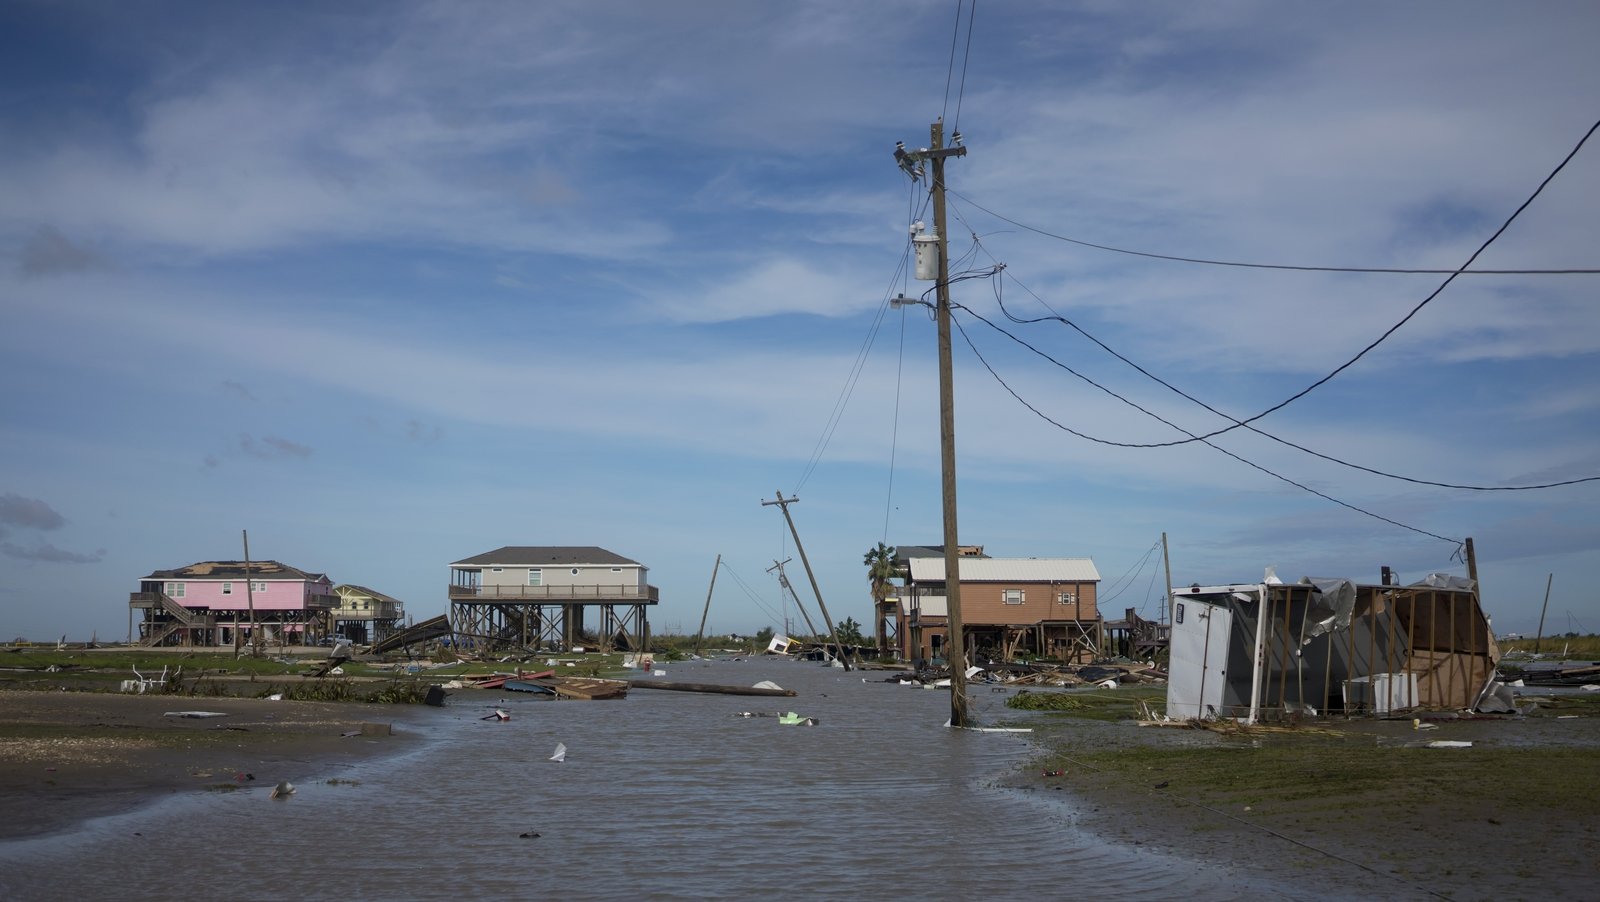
point(1008, 570)
point(547, 555)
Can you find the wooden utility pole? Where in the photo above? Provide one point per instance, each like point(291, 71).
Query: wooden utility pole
point(1167, 563)
point(783, 504)
point(783, 581)
point(250, 599)
point(1539, 639)
point(910, 162)
point(700, 636)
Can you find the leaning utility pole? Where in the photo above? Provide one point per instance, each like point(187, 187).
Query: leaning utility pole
point(1167, 563)
point(783, 581)
point(700, 636)
point(250, 598)
point(1539, 638)
point(909, 161)
point(783, 503)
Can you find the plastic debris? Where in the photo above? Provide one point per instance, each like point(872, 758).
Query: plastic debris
point(793, 719)
point(282, 790)
point(561, 752)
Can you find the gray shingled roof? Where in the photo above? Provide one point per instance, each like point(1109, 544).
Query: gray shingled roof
point(546, 555)
point(235, 570)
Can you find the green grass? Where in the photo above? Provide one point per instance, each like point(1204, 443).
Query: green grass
point(1329, 773)
point(1126, 703)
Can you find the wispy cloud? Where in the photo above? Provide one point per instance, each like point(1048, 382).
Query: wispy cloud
point(236, 390)
point(29, 513)
point(50, 253)
point(46, 553)
point(267, 447)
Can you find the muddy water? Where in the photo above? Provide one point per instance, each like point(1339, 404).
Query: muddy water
point(663, 795)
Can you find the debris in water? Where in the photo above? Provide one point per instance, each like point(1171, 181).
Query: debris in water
point(561, 752)
point(529, 835)
point(793, 719)
point(282, 790)
point(1054, 773)
point(194, 714)
point(1449, 744)
point(499, 714)
point(1417, 724)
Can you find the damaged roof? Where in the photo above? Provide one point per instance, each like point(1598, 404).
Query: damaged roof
point(547, 555)
point(236, 570)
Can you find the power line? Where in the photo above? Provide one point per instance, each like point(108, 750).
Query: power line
point(1042, 415)
point(950, 70)
point(1000, 300)
point(854, 376)
point(851, 379)
point(1263, 433)
point(894, 435)
point(1414, 310)
point(972, 11)
point(751, 594)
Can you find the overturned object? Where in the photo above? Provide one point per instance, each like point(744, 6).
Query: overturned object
point(1249, 650)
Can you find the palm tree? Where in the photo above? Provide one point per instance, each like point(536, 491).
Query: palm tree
point(879, 562)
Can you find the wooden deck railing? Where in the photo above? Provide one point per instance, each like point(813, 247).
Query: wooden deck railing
point(554, 593)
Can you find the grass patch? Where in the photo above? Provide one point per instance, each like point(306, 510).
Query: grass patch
point(1126, 703)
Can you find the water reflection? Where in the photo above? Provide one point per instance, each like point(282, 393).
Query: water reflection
point(664, 794)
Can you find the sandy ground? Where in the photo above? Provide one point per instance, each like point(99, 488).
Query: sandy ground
point(1477, 843)
point(68, 756)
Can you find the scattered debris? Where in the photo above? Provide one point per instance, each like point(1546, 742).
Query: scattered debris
point(793, 719)
point(1449, 744)
point(560, 753)
point(282, 790)
point(195, 714)
point(498, 714)
point(529, 835)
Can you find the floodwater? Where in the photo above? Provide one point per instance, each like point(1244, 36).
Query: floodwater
point(663, 795)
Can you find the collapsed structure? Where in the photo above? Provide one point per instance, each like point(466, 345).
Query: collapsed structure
point(1269, 649)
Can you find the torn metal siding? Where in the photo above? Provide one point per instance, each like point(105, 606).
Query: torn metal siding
point(1269, 649)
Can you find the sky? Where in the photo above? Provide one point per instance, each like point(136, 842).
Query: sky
point(389, 285)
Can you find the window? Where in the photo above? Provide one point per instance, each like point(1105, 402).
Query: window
point(174, 590)
point(1012, 596)
point(257, 586)
point(535, 577)
point(1069, 598)
point(574, 571)
point(616, 569)
point(227, 588)
point(494, 569)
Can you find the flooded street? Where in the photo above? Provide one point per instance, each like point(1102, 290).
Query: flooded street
point(665, 795)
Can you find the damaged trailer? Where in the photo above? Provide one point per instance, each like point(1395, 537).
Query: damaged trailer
point(1273, 650)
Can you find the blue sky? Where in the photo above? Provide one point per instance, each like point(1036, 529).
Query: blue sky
point(393, 284)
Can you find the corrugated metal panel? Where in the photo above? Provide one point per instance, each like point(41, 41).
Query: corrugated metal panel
point(1009, 570)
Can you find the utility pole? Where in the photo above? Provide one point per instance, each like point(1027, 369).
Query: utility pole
point(910, 162)
point(783, 504)
point(1539, 638)
point(250, 598)
point(1167, 563)
point(700, 636)
point(783, 581)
